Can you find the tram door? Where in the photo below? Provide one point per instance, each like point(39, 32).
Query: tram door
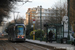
point(54, 32)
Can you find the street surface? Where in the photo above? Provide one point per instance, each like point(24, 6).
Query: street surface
point(8, 45)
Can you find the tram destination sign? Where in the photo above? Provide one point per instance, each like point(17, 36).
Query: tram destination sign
point(20, 26)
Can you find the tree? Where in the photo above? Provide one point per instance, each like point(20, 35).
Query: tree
point(72, 14)
point(63, 11)
point(5, 7)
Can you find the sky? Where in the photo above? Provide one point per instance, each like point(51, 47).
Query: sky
point(22, 8)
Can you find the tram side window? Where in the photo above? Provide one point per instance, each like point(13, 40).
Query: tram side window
point(12, 29)
point(9, 30)
point(16, 30)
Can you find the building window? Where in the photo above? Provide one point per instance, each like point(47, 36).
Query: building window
point(33, 12)
point(45, 10)
point(44, 17)
point(49, 14)
point(38, 17)
point(45, 14)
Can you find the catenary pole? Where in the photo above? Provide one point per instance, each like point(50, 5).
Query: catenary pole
point(68, 16)
point(41, 17)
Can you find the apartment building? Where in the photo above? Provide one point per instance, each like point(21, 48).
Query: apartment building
point(46, 15)
point(30, 14)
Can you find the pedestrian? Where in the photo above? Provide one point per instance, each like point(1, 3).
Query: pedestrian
point(50, 36)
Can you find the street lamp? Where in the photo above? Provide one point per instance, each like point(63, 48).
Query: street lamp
point(41, 17)
point(41, 22)
point(63, 28)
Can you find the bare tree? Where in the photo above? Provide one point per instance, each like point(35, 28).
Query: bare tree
point(5, 7)
point(60, 11)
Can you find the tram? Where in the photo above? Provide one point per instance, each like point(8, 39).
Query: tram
point(16, 32)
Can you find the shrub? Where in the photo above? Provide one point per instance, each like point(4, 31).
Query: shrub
point(31, 33)
point(38, 34)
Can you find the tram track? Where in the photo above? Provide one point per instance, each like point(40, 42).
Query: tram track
point(20, 47)
point(34, 47)
point(1, 48)
point(12, 47)
point(2, 45)
point(26, 47)
point(8, 45)
point(29, 46)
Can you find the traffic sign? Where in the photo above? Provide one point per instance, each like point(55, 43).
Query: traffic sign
point(33, 32)
point(31, 25)
point(33, 21)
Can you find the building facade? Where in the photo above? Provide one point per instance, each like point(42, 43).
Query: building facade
point(46, 16)
point(30, 14)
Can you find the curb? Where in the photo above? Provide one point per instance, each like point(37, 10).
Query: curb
point(51, 47)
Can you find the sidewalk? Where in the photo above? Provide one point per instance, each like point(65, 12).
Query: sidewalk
point(53, 44)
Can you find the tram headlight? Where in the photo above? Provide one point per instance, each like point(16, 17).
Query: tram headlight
point(22, 36)
point(18, 37)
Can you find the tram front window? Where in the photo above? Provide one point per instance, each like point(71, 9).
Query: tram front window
point(20, 31)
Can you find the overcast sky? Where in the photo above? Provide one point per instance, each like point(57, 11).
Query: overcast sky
point(22, 8)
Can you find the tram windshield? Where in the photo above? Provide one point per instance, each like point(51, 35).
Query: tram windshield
point(20, 30)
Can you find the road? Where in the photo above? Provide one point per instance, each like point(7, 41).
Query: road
point(8, 45)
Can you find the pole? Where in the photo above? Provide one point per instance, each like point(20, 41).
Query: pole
point(47, 33)
point(63, 29)
point(41, 17)
point(56, 16)
point(14, 18)
point(29, 20)
point(33, 27)
point(68, 16)
point(21, 20)
point(17, 16)
point(40, 22)
point(33, 32)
